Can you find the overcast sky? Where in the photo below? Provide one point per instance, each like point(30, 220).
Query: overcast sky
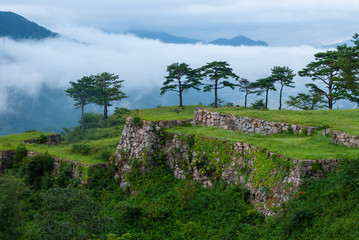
point(289, 26)
point(279, 22)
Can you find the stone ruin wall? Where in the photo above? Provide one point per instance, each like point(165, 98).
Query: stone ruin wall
point(140, 142)
point(342, 138)
point(259, 126)
point(246, 124)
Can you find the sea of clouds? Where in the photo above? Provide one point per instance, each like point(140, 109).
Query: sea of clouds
point(27, 66)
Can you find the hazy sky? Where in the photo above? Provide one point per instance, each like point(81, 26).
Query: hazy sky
point(279, 22)
point(93, 41)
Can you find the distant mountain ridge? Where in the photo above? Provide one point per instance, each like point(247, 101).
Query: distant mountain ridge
point(168, 38)
point(238, 41)
point(17, 27)
point(162, 36)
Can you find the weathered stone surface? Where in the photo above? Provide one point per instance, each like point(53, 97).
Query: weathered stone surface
point(55, 139)
point(246, 124)
point(139, 142)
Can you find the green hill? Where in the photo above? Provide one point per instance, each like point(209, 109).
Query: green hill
point(17, 27)
point(156, 205)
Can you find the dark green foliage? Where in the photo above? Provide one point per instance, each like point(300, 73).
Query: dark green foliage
point(21, 152)
point(264, 85)
point(180, 79)
point(81, 148)
point(216, 74)
point(107, 90)
point(92, 120)
point(284, 75)
point(70, 213)
point(325, 69)
point(37, 170)
point(348, 62)
point(137, 121)
point(11, 189)
point(159, 206)
point(303, 101)
point(246, 87)
point(83, 92)
point(75, 135)
point(118, 118)
point(42, 139)
point(259, 104)
point(63, 177)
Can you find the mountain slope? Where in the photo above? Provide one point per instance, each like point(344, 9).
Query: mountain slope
point(162, 36)
point(238, 41)
point(168, 38)
point(17, 27)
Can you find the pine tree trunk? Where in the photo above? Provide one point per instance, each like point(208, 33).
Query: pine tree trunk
point(245, 100)
point(267, 91)
point(180, 98)
point(215, 95)
point(105, 115)
point(82, 118)
point(280, 98)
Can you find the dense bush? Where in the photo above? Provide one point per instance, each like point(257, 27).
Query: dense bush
point(37, 170)
point(159, 206)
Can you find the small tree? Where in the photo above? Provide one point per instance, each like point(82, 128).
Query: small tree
point(82, 92)
point(264, 85)
point(348, 62)
point(216, 74)
point(325, 69)
point(304, 101)
point(246, 87)
point(180, 79)
point(108, 89)
point(283, 75)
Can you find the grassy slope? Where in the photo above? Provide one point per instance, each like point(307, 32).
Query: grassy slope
point(168, 113)
point(346, 120)
point(294, 146)
point(289, 145)
point(63, 151)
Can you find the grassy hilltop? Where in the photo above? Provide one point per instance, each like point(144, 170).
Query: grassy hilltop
point(159, 206)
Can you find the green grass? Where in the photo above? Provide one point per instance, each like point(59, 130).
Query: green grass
point(290, 145)
point(168, 113)
point(12, 141)
point(346, 120)
point(98, 147)
point(66, 151)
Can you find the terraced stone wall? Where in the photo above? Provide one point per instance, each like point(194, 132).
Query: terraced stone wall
point(246, 124)
point(270, 178)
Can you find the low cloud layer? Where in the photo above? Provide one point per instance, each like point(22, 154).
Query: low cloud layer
point(26, 66)
point(278, 22)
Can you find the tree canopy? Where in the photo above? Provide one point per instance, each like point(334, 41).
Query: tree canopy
point(216, 74)
point(82, 92)
point(348, 62)
point(325, 69)
point(264, 85)
point(180, 79)
point(284, 75)
point(108, 89)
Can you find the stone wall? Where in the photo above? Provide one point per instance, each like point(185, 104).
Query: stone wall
point(55, 139)
point(343, 138)
point(246, 124)
point(271, 179)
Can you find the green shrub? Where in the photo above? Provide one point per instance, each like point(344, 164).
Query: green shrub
point(37, 170)
point(259, 104)
point(81, 148)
